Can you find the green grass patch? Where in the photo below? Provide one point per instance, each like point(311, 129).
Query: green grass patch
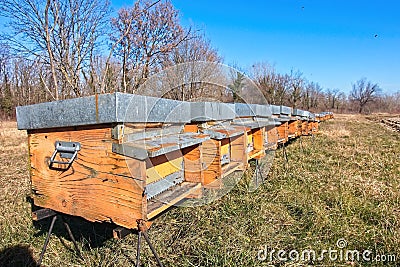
point(341, 183)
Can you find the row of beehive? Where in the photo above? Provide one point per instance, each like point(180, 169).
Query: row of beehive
point(121, 157)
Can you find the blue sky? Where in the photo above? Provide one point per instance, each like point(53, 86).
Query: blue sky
point(332, 42)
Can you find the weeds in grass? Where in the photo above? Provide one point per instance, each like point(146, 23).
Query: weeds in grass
point(341, 183)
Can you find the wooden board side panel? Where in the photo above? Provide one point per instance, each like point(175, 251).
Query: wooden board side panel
point(238, 149)
point(272, 136)
point(282, 129)
point(304, 128)
point(259, 138)
point(98, 186)
point(298, 128)
point(293, 127)
point(193, 164)
point(211, 160)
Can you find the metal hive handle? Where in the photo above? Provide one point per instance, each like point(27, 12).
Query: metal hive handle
point(68, 150)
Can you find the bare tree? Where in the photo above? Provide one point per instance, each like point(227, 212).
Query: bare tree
point(63, 34)
point(265, 76)
point(198, 62)
point(363, 92)
point(331, 98)
point(144, 33)
point(282, 83)
point(311, 96)
point(295, 88)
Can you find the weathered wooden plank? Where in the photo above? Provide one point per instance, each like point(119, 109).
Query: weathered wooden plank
point(238, 150)
point(305, 128)
point(98, 186)
point(272, 138)
point(193, 164)
point(211, 160)
point(283, 132)
point(259, 138)
point(292, 128)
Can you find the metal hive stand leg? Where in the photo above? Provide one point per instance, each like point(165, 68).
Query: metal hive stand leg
point(46, 213)
point(66, 225)
point(47, 240)
point(138, 249)
point(142, 230)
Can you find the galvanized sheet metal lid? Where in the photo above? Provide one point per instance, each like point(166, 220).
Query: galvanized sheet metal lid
point(286, 110)
point(211, 111)
point(276, 110)
point(252, 110)
point(104, 108)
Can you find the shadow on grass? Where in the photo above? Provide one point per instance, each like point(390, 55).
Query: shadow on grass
point(15, 256)
point(88, 234)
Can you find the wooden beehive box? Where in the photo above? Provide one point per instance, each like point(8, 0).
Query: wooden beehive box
point(271, 136)
point(88, 157)
point(297, 113)
point(282, 115)
point(313, 123)
point(283, 132)
point(270, 133)
point(286, 115)
point(310, 126)
point(255, 118)
point(292, 128)
point(299, 126)
point(224, 152)
point(305, 127)
point(171, 163)
point(255, 139)
point(315, 126)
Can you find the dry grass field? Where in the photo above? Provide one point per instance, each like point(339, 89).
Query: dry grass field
point(343, 183)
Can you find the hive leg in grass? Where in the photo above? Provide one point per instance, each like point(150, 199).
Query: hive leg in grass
point(47, 213)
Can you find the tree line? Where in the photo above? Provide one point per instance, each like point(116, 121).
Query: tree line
point(60, 49)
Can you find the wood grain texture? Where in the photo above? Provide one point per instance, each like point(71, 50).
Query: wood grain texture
point(259, 138)
point(272, 138)
point(212, 160)
point(193, 164)
point(298, 131)
point(304, 128)
point(238, 150)
point(283, 132)
point(98, 186)
point(292, 128)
